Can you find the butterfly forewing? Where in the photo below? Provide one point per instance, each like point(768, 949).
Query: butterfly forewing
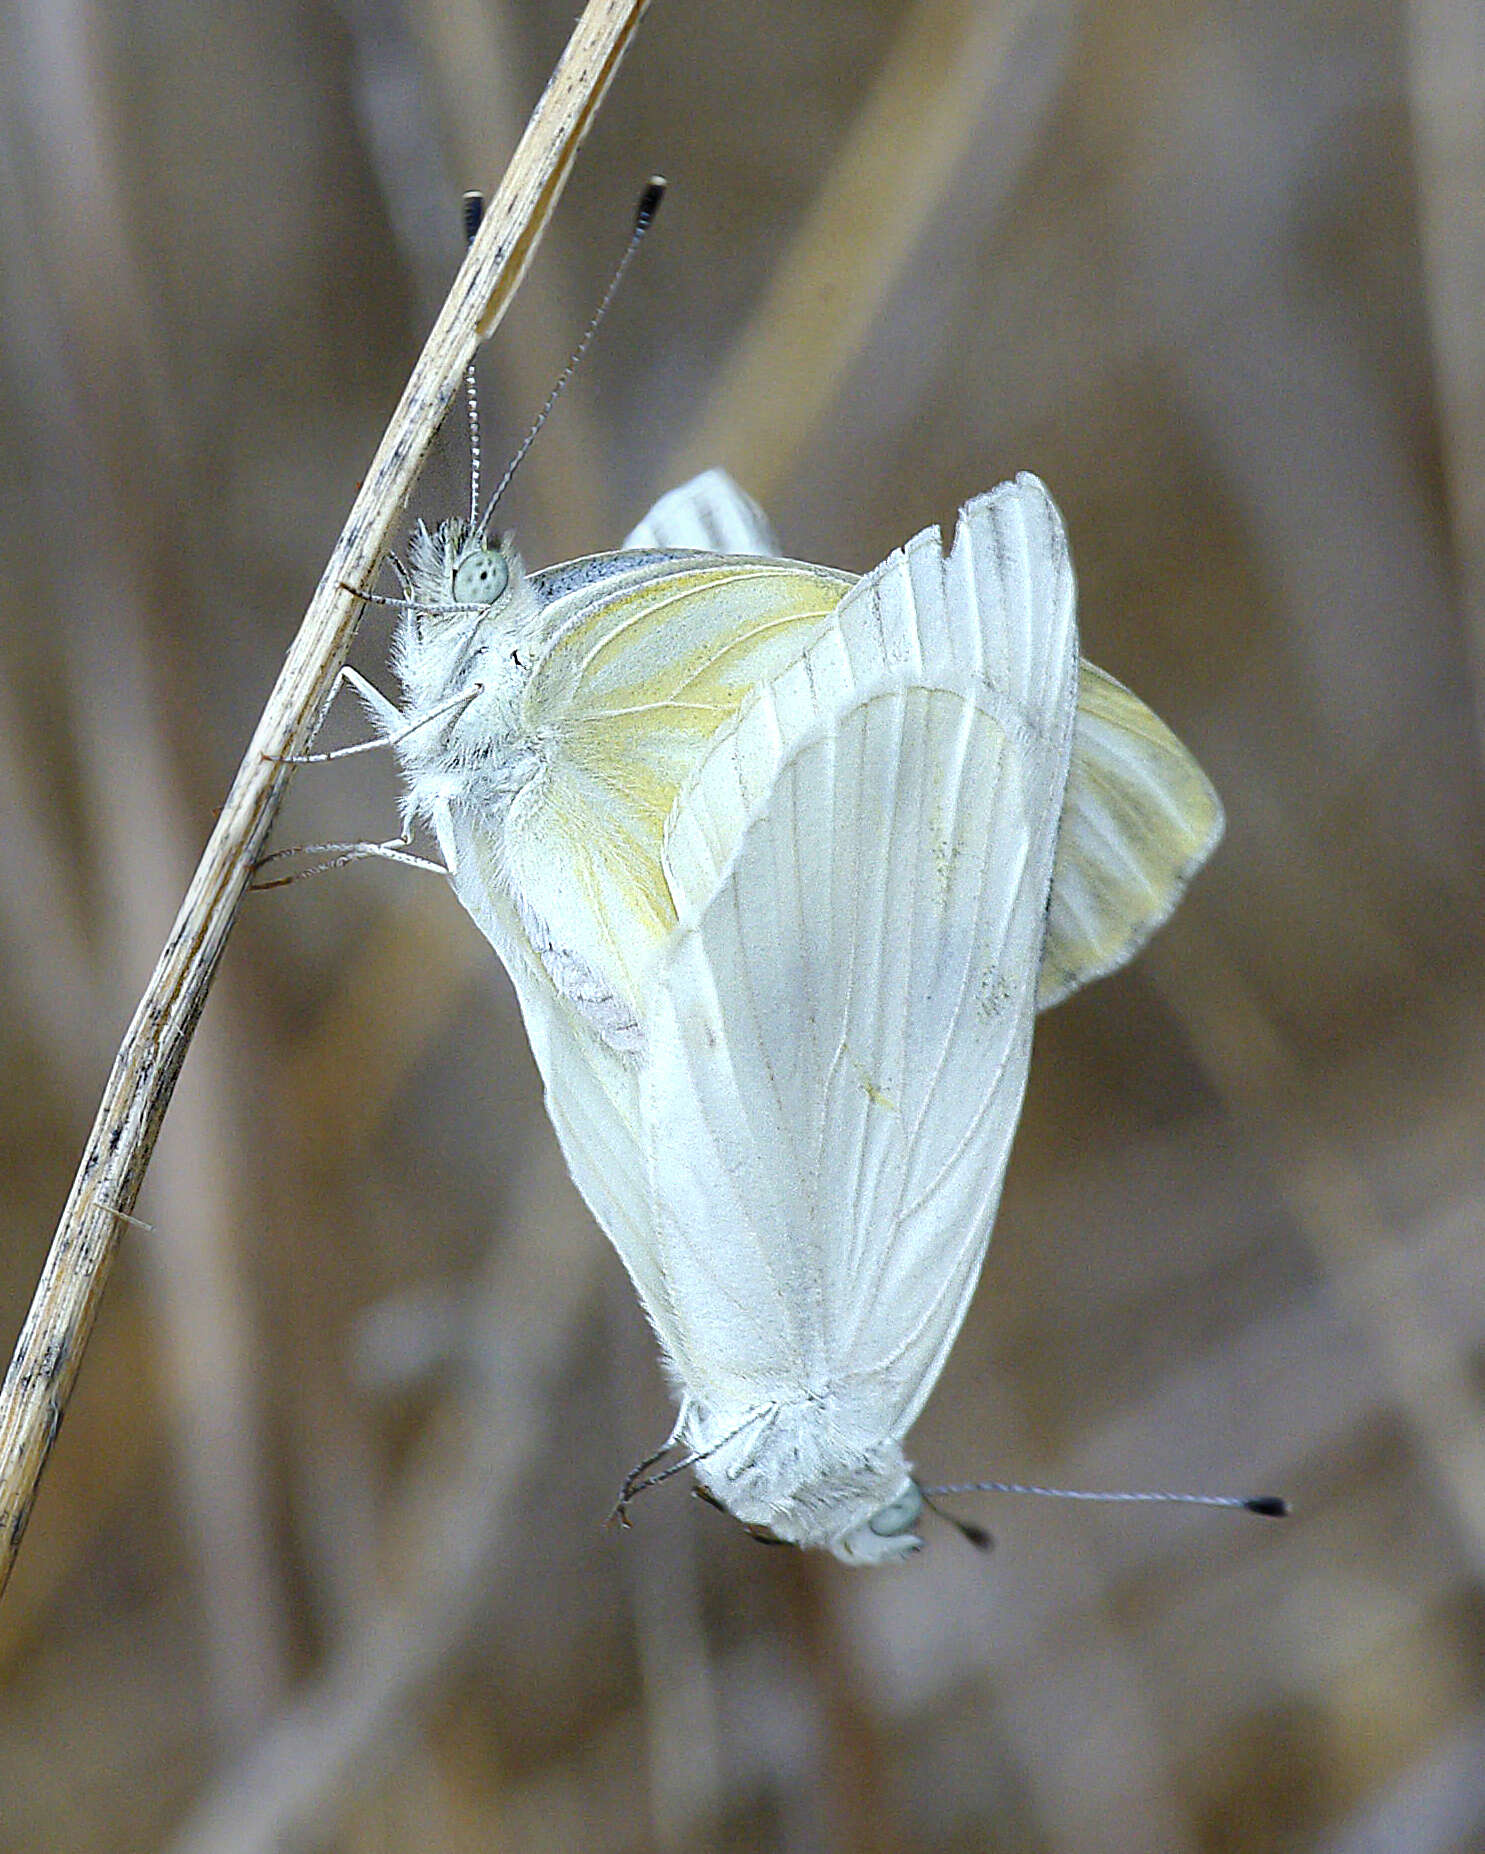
point(708, 512)
point(642, 669)
point(840, 1029)
point(1139, 819)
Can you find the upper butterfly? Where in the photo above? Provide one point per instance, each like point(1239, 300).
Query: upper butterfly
point(782, 864)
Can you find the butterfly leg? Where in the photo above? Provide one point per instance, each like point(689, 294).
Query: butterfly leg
point(337, 855)
point(639, 1479)
point(387, 715)
point(635, 1482)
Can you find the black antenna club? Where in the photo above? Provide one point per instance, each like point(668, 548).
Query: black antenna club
point(649, 202)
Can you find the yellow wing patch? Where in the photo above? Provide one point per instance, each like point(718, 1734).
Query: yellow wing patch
point(1139, 819)
point(623, 704)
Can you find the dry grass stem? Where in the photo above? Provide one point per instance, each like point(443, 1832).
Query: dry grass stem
point(46, 1361)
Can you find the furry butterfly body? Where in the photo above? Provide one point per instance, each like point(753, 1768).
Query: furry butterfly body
point(782, 864)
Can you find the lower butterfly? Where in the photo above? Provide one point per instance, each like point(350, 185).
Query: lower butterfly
point(783, 864)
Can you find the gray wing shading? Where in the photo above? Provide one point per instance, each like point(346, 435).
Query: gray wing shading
point(840, 1035)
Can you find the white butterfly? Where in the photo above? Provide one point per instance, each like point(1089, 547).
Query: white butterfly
point(782, 864)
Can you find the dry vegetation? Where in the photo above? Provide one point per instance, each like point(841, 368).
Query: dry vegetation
point(318, 1562)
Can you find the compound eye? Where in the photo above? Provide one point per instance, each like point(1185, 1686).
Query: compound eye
point(480, 579)
point(898, 1515)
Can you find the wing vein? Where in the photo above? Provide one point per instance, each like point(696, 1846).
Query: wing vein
point(648, 610)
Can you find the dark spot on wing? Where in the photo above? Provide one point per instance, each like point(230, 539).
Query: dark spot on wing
point(593, 569)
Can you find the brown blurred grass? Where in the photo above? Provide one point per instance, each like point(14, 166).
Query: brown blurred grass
point(1212, 273)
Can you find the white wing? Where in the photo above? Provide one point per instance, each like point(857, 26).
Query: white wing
point(591, 1090)
point(711, 513)
point(841, 1027)
point(1140, 816)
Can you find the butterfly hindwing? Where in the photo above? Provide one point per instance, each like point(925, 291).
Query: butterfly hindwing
point(1140, 818)
point(638, 676)
point(591, 1088)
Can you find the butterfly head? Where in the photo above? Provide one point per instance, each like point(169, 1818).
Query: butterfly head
point(481, 575)
point(890, 1532)
point(457, 571)
point(471, 613)
point(795, 1473)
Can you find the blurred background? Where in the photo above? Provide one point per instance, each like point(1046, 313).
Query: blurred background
point(319, 1561)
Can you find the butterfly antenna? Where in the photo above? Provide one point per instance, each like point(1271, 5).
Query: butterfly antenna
point(644, 218)
point(474, 212)
point(1266, 1506)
